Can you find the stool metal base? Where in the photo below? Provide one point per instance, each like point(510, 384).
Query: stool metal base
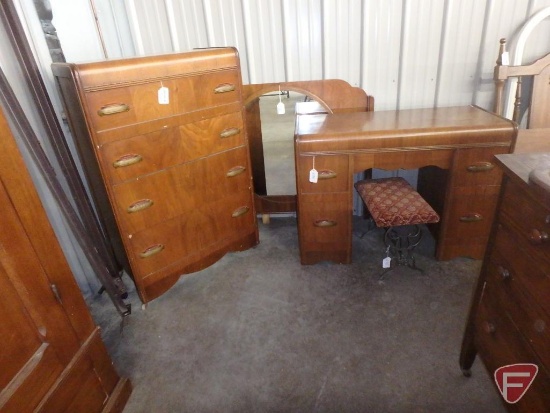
point(400, 243)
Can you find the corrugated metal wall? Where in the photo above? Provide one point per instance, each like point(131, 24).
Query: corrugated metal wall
point(406, 53)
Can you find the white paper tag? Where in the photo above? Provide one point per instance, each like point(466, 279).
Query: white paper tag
point(164, 96)
point(280, 108)
point(505, 58)
point(386, 262)
point(313, 176)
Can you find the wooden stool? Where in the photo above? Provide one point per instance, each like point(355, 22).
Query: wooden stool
point(394, 204)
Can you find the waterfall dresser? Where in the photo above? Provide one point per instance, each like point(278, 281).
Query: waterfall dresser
point(162, 143)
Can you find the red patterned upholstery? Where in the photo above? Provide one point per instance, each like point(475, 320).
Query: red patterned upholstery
point(393, 202)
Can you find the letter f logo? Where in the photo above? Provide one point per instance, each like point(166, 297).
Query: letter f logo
point(513, 380)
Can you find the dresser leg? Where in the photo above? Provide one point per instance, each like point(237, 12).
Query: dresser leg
point(468, 351)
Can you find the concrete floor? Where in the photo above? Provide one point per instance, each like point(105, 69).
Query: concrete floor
point(258, 332)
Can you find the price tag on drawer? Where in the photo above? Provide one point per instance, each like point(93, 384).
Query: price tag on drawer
point(313, 176)
point(164, 96)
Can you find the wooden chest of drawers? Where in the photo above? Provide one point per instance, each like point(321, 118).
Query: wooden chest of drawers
point(510, 314)
point(166, 156)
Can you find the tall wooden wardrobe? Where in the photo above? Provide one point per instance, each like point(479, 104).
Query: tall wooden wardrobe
point(52, 357)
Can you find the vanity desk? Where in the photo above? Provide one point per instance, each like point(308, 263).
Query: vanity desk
point(453, 148)
point(510, 310)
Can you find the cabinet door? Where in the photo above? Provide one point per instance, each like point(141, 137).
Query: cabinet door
point(41, 366)
point(31, 357)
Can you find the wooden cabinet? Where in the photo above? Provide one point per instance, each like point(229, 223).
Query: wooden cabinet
point(52, 357)
point(164, 147)
point(510, 314)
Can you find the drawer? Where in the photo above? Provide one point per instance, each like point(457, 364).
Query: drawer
point(325, 219)
point(144, 154)
point(499, 343)
point(189, 234)
point(521, 308)
point(471, 212)
point(529, 219)
point(144, 202)
point(334, 174)
point(518, 270)
point(121, 106)
point(477, 167)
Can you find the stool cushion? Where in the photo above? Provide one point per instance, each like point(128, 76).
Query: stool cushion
point(393, 202)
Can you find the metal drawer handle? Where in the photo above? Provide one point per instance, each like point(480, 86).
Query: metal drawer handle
point(325, 223)
point(224, 88)
point(139, 205)
point(327, 174)
point(537, 237)
point(503, 272)
point(227, 133)
point(152, 250)
point(489, 327)
point(127, 160)
point(236, 170)
point(480, 167)
point(240, 211)
point(474, 217)
point(113, 109)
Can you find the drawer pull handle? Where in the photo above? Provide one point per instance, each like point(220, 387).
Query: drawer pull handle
point(113, 109)
point(139, 205)
point(152, 250)
point(227, 133)
point(240, 211)
point(489, 327)
point(236, 170)
point(327, 174)
point(127, 160)
point(325, 223)
point(480, 167)
point(503, 272)
point(224, 88)
point(538, 237)
point(475, 217)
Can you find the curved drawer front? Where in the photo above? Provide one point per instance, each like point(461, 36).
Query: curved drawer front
point(169, 147)
point(472, 210)
point(192, 232)
point(121, 106)
point(477, 167)
point(333, 171)
point(325, 219)
point(181, 190)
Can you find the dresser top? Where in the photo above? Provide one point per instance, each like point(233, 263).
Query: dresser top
point(414, 128)
point(528, 169)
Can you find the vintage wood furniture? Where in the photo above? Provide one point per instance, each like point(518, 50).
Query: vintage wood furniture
point(453, 147)
point(163, 144)
point(332, 95)
point(52, 357)
point(534, 103)
point(509, 319)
